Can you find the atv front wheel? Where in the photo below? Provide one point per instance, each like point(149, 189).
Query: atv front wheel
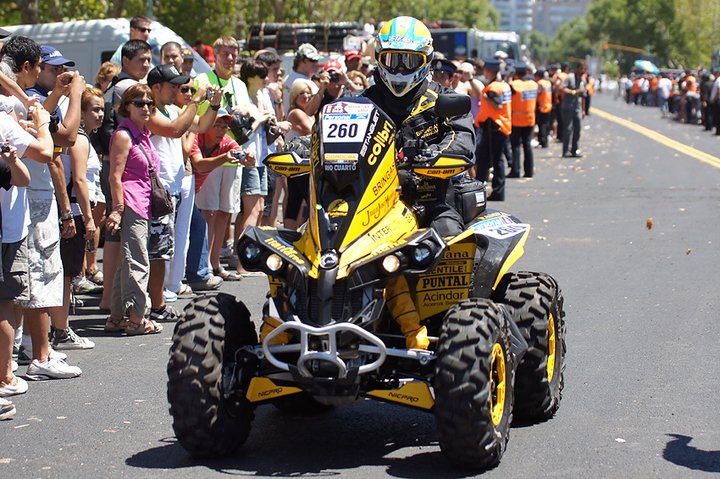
point(474, 384)
point(536, 305)
point(209, 417)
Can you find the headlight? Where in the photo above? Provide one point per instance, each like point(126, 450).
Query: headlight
point(251, 253)
point(391, 263)
point(274, 262)
point(421, 255)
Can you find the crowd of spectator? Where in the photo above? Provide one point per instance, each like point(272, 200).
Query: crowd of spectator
point(685, 96)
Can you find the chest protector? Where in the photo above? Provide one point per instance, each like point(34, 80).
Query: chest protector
point(544, 96)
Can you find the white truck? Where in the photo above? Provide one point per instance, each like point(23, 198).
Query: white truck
point(461, 43)
point(91, 42)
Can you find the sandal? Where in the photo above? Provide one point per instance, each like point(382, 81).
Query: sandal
point(114, 325)
point(186, 291)
point(96, 277)
point(227, 275)
point(146, 326)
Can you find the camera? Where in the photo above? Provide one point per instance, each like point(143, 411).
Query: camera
point(334, 77)
point(209, 95)
point(239, 155)
point(4, 147)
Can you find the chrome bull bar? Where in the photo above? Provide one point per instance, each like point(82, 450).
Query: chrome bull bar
point(330, 347)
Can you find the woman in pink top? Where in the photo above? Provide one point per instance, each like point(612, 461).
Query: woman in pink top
point(130, 152)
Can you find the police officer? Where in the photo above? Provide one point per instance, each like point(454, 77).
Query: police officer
point(524, 101)
point(443, 71)
point(403, 91)
point(495, 120)
point(544, 107)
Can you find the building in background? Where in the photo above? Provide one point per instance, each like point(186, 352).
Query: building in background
point(515, 15)
point(550, 15)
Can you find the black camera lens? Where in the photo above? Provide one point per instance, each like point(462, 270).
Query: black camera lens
point(334, 77)
point(239, 155)
point(4, 147)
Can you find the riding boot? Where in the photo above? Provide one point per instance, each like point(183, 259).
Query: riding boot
point(402, 309)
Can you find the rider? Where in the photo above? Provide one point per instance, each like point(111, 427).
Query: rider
point(403, 90)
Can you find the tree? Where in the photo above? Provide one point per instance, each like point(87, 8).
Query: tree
point(571, 41)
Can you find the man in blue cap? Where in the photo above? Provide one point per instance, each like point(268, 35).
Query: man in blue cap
point(53, 84)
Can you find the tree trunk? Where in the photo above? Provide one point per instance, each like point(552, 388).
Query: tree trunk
point(116, 8)
point(28, 11)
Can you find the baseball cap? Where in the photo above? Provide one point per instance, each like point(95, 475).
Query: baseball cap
point(222, 113)
point(444, 65)
point(308, 51)
point(334, 64)
point(350, 54)
point(166, 73)
point(4, 33)
point(51, 56)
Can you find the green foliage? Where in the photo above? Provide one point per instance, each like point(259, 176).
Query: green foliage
point(571, 42)
point(539, 45)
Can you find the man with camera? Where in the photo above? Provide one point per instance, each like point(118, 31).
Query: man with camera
point(338, 83)
point(168, 125)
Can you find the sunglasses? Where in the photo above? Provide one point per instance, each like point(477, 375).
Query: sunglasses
point(143, 29)
point(393, 61)
point(186, 89)
point(143, 103)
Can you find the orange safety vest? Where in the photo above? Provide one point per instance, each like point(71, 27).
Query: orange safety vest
point(524, 101)
point(691, 83)
point(544, 98)
point(653, 84)
point(502, 116)
point(636, 86)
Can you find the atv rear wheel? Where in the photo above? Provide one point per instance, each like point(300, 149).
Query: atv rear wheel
point(473, 384)
point(536, 305)
point(208, 418)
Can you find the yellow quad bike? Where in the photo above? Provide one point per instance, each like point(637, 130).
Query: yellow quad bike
point(327, 338)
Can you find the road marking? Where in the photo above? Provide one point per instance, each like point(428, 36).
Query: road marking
point(675, 145)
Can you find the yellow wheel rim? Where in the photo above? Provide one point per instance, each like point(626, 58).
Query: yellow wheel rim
point(497, 384)
point(551, 348)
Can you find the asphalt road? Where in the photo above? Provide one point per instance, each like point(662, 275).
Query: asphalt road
point(642, 377)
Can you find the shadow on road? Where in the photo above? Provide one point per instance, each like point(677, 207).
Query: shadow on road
point(326, 445)
point(679, 451)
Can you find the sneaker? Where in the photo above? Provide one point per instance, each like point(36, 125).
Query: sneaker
point(15, 365)
point(169, 296)
point(212, 283)
point(7, 409)
point(20, 387)
point(67, 339)
point(167, 314)
point(25, 355)
point(82, 285)
point(51, 369)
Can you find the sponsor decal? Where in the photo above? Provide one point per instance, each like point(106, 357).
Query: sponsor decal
point(338, 208)
point(341, 167)
point(507, 231)
point(341, 157)
point(270, 392)
point(403, 397)
point(381, 139)
point(494, 222)
point(366, 143)
point(381, 184)
point(288, 251)
point(431, 130)
point(380, 233)
point(528, 94)
point(377, 209)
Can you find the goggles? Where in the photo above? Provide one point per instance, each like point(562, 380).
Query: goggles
point(394, 60)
